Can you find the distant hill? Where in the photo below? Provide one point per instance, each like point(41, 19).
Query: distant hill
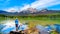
point(8, 13)
point(29, 11)
point(40, 12)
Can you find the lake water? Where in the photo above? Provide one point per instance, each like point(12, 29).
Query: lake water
point(9, 25)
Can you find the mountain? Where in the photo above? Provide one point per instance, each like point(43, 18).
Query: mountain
point(29, 11)
point(3, 12)
point(8, 13)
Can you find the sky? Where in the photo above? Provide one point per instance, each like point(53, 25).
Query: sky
point(19, 5)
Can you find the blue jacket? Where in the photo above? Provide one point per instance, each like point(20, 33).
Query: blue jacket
point(16, 21)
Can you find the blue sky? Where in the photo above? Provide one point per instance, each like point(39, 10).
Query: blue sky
point(9, 5)
point(12, 3)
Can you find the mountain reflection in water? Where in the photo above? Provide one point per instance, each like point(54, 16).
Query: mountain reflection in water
point(9, 25)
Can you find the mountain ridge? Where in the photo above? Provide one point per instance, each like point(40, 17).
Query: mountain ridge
point(28, 12)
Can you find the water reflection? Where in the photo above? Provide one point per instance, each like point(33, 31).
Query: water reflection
point(9, 25)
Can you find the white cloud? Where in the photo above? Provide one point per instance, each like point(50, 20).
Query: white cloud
point(25, 7)
point(37, 4)
point(42, 4)
point(49, 4)
point(12, 9)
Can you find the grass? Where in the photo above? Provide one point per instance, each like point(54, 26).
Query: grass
point(40, 20)
point(35, 21)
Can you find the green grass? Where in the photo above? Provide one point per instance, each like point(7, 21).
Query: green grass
point(41, 20)
point(36, 20)
point(32, 21)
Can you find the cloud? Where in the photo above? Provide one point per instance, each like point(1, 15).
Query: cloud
point(49, 4)
point(24, 7)
point(37, 4)
point(16, 8)
point(41, 4)
point(12, 9)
